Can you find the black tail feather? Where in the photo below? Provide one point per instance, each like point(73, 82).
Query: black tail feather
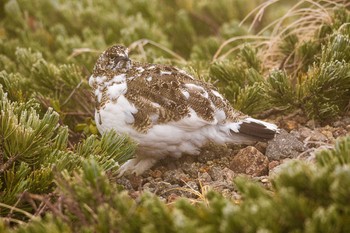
point(259, 131)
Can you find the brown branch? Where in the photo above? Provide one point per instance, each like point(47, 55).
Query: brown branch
point(45, 204)
point(72, 93)
point(8, 163)
point(16, 204)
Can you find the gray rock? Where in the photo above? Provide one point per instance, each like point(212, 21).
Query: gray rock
point(204, 177)
point(284, 145)
point(216, 173)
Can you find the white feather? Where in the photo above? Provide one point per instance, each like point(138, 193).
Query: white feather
point(217, 94)
point(270, 126)
point(186, 94)
point(119, 78)
point(164, 72)
point(116, 90)
point(140, 69)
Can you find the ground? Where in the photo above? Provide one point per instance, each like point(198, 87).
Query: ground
point(216, 166)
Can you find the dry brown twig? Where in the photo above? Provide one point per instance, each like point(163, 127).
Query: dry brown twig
point(201, 194)
point(79, 51)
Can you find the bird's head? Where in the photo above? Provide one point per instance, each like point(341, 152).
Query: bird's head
point(115, 57)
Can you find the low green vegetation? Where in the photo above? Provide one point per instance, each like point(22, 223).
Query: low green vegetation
point(304, 198)
point(56, 172)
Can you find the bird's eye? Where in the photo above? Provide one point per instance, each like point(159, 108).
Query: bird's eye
point(117, 62)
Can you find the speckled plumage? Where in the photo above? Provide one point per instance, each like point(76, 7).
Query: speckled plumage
point(165, 110)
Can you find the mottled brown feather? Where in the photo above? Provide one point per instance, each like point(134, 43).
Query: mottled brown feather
point(156, 92)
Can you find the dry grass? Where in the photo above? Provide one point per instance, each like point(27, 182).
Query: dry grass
point(303, 20)
point(140, 44)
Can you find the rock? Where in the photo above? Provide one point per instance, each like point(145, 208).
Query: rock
point(273, 164)
point(148, 187)
point(345, 121)
point(156, 173)
point(175, 176)
point(283, 166)
point(313, 135)
point(228, 174)
point(250, 161)
point(261, 146)
point(216, 173)
point(219, 174)
point(172, 198)
point(290, 124)
point(339, 132)
point(190, 169)
point(284, 145)
point(328, 134)
point(204, 177)
point(134, 194)
point(135, 181)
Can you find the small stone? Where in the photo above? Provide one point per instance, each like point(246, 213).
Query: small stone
point(311, 124)
point(190, 169)
point(204, 177)
point(250, 161)
point(346, 120)
point(313, 135)
point(328, 134)
point(273, 164)
point(175, 176)
point(172, 197)
point(338, 124)
point(156, 173)
point(203, 169)
point(148, 187)
point(215, 173)
point(265, 180)
point(284, 145)
point(228, 174)
point(227, 193)
point(134, 194)
point(339, 132)
point(290, 125)
point(135, 181)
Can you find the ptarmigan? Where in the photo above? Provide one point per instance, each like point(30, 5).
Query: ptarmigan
point(165, 110)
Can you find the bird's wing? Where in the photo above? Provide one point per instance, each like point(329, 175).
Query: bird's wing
point(165, 94)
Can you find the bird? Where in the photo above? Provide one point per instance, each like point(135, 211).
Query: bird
point(165, 110)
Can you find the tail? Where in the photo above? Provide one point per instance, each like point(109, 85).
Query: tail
point(252, 130)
